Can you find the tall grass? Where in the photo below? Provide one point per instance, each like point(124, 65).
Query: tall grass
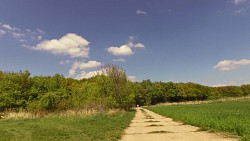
point(98, 127)
point(232, 117)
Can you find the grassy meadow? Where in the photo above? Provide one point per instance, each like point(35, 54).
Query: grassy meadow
point(231, 117)
point(98, 127)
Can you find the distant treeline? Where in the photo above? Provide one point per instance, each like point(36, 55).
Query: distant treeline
point(150, 93)
point(110, 89)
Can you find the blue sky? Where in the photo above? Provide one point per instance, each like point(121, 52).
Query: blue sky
point(206, 42)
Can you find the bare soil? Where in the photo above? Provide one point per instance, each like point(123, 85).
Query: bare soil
point(149, 126)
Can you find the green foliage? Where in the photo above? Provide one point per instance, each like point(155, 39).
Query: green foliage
point(100, 127)
point(14, 89)
point(245, 89)
point(117, 87)
point(149, 93)
point(230, 117)
point(110, 89)
point(54, 100)
point(231, 91)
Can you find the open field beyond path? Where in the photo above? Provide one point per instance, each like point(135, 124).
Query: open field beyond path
point(148, 126)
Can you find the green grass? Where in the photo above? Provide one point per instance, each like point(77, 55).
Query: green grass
point(98, 127)
point(232, 117)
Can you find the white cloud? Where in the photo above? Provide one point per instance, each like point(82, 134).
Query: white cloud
point(90, 74)
point(2, 33)
point(130, 44)
point(17, 35)
point(70, 44)
point(236, 2)
point(132, 78)
point(131, 38)
point(241, 10)
point(22, 40)
point(26, 46)
point(39, 37)
point(220, 85)
point(228, 65)
point(6, 26)
point(123, 50)
point(64, 62)
point(242, 6)
point(28, 36)
point(40, 31)
point(83, 65)
point(140, 12)
point(232, 83)
point(139, 45)
point(72, 72)
point(119, 60)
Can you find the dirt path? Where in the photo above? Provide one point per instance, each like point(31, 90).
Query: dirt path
point(149, 126)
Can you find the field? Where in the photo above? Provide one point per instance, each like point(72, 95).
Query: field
point(89, 128)
point(231, 117)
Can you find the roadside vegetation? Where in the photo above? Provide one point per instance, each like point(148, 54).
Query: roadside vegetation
point(98, 127)
point(34, 98)
point(109, 90)
point(231, 117)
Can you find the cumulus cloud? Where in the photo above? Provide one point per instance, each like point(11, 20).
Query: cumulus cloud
point(70, 44)
point(72, 72)
point(123, 50)
point(232, 83)
point(227, 65)
point(119, 60)
point(83, 65)
point(132, 78)
point(222, 85)
point(2, 33)
point(77, 65)
point(141, 12)
point(139, 45)
point(8, 27)
point(90, 74)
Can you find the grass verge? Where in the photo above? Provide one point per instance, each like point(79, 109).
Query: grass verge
point(99, 127)
point(232, 117)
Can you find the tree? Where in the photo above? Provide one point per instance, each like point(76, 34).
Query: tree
point(230, 91)
point(245, 89)
point(147, 91)
point(158, 95)
point(173, 94)
point(120, 87)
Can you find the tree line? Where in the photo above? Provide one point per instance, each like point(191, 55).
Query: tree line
point(107, 90)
